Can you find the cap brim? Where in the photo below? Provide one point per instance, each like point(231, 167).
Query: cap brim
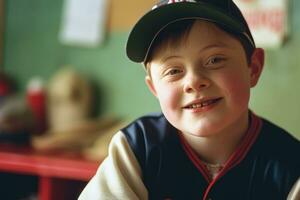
point(147, 28)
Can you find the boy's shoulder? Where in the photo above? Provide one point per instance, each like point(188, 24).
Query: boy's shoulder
point(153, 128)
point(147, 134)
point(274, 141)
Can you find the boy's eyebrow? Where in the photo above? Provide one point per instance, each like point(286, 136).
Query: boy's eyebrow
point(169, 57)
point(211, 46)
point(217, 45)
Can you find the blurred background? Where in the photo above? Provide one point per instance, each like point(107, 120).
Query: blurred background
point(86, 79)
point(32, 48)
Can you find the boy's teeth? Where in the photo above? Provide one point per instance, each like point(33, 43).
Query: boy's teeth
point(196, 105)
point(200, 105)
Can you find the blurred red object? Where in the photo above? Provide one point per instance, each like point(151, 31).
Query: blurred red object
point(36, 99)
point(4, 88)
point(5, 85)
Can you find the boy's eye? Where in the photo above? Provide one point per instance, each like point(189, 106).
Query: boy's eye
point(173, 71)
point(214, 61)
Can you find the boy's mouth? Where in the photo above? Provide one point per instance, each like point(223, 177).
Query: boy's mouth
point(202, 103)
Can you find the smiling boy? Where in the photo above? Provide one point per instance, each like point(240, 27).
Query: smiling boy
point(201, 63)
point(203, 87)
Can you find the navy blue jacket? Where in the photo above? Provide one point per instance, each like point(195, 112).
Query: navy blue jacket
point(265, 166)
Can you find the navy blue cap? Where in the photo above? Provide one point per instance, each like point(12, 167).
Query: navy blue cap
point(221, 12)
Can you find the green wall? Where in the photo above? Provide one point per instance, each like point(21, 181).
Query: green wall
point(32, 49)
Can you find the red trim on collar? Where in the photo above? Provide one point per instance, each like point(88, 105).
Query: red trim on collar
point(194, 158)
point(235, 158)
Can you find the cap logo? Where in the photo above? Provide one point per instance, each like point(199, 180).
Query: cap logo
point(166, 2)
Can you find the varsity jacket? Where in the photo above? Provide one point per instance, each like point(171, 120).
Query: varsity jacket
point(149, 159)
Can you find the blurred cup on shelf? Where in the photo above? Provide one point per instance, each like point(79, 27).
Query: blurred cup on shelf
point(36, 99)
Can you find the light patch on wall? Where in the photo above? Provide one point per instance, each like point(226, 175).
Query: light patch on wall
point(83, 22)
point(267, 20)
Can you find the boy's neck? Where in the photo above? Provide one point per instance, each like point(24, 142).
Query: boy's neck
point(218, 148)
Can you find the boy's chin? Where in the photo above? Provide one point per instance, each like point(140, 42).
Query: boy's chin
point(201, 133)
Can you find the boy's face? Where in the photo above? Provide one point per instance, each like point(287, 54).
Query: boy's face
point(203, 84)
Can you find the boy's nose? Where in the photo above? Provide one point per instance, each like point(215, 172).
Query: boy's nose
point(195, 83)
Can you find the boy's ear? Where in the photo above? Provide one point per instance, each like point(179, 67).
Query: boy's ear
point(150, 85)
point(256, 65)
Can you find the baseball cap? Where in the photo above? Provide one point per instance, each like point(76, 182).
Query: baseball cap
point(222, 12)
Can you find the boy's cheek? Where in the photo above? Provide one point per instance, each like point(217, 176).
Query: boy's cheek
point(168, 97)
point(239, 95)
point(235, 87)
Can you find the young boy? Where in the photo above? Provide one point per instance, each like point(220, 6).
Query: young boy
point(201, 62)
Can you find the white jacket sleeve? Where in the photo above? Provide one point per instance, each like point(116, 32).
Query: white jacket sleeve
point(118, 177)
point(295, 192)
